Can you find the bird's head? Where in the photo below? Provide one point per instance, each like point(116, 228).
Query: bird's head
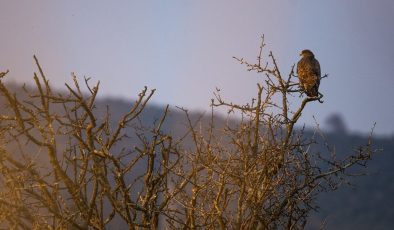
point(306, 53)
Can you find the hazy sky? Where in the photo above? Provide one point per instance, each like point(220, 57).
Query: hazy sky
point(184, 49)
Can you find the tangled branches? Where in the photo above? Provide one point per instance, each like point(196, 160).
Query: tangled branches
point(64, 165)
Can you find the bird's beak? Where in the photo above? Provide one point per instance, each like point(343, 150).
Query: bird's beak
point(300, 54)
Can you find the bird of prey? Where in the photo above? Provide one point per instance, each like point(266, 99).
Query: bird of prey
point(308, 71)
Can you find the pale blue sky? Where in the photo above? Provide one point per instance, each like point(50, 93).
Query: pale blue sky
point(184, 49)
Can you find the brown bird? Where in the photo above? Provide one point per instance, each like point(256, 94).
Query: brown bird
point(308, 71)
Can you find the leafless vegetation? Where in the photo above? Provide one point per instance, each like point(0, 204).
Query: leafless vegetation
point(67, 171)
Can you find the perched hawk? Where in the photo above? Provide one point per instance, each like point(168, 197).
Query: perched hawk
point(308, 71)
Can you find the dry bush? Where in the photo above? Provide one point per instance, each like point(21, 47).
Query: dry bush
point(63, 166)
point(261, 173)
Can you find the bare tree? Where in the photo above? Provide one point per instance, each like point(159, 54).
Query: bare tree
point(62, 165)
point(65, 171)
point(261, 173)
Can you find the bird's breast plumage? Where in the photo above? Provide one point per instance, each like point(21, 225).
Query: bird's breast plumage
point(308, 71)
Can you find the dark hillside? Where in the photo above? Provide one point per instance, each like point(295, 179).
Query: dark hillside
point(366, 204)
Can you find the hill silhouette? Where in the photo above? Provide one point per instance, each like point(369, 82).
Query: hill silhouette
point(366, 204)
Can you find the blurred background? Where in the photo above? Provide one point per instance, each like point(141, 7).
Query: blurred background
point(184, 49)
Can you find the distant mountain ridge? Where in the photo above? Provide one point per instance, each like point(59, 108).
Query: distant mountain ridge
point(366, 206)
